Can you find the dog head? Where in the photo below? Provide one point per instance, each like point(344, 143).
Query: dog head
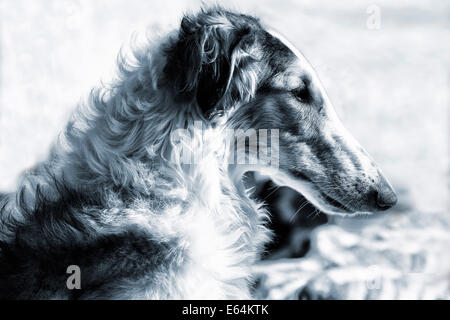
point(227, 62)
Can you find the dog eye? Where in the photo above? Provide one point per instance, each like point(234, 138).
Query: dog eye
point(302, 93)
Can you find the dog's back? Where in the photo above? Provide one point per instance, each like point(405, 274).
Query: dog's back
point(115, 264)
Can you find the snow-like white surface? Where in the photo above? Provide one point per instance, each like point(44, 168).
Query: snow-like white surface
point(392, 257)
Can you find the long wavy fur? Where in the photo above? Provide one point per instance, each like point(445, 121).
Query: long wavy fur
point(114, 197)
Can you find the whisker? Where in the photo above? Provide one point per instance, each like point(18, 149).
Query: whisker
point(304, 203)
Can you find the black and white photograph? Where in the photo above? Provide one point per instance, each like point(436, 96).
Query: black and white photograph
point(224, 151)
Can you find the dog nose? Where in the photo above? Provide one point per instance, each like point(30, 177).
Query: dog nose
point(385, 195)
point(386, 199)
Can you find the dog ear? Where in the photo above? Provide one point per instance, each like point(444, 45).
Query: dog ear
point(204, 64)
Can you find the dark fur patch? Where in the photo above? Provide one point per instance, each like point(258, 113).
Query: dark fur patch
point(199, 62)
point(27, 272)
point(56, 234)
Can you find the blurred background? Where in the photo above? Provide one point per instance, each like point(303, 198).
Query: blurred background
point(385, 66)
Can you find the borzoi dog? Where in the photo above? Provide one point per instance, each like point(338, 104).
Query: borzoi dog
point(117, 199)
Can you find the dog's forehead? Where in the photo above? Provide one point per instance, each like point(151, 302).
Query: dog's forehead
point(291, 67)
